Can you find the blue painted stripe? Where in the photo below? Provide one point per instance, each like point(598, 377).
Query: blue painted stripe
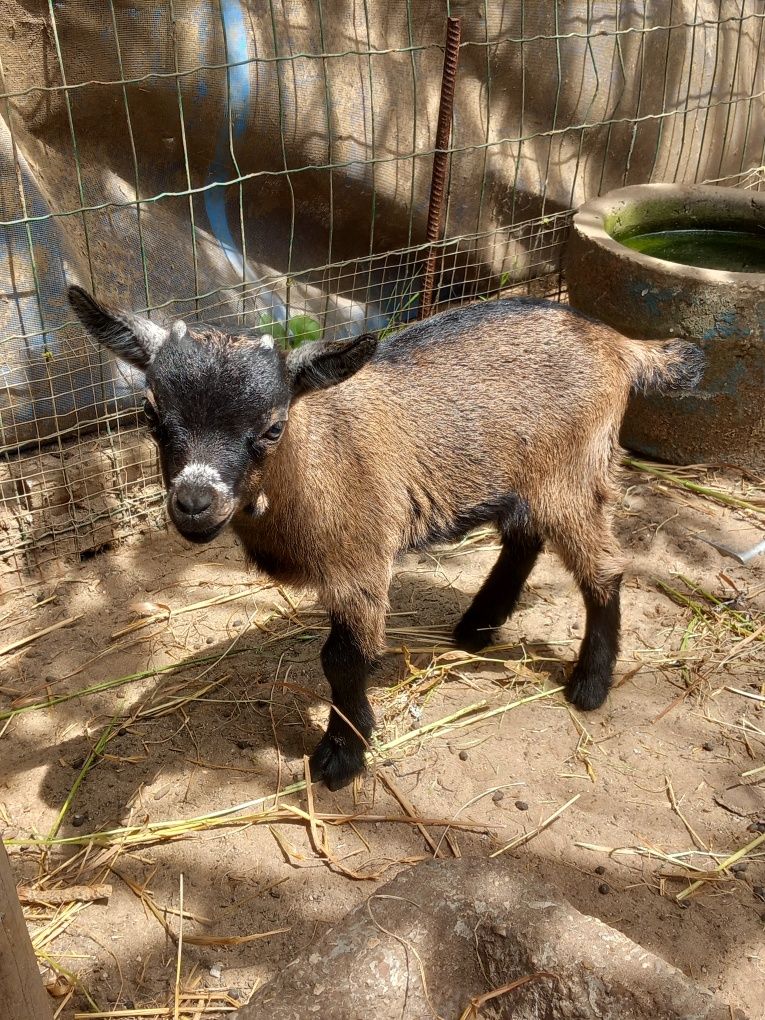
point(237, 108)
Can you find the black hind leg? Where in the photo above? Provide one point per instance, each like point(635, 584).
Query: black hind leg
point(589, 549)
point(499, 593)
point(590, 682)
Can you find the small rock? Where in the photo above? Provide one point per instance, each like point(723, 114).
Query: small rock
point(209, 640)
point(604, 888)
point(215, 971)
point(708, 745)
point(237, 623)
point(740, 867)
point(234, 993)
point(522, 805)
point(758, 826)
point(78, 819)
point(600, 870)
point(122, 731)
point(463, 756)
point(497, 796)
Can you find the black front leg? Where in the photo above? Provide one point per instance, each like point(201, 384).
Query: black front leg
point(339, 756)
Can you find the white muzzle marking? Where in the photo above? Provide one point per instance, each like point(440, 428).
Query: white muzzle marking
point(198, 473)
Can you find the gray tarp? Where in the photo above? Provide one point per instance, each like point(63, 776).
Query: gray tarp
point(555, 102)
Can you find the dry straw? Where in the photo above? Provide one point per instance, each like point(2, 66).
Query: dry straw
point(246, 813)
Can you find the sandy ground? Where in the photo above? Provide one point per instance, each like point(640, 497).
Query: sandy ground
point(659, 775)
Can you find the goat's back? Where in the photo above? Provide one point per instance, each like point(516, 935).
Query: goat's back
point(499, 408)
point(515, 371)
point(459, 410)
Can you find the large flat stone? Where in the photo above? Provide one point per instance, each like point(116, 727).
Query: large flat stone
point(459, 929)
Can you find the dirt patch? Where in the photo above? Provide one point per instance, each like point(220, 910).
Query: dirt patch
point(666, 779)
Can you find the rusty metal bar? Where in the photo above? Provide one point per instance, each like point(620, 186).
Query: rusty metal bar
point(440, 159)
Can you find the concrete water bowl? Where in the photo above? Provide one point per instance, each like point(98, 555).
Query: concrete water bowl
point(721, 309)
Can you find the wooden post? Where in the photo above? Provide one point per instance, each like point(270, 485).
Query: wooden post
point(22, 995)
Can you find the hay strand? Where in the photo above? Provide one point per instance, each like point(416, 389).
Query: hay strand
point(526, 836)
point(471, 1010)
point(23, 642)
point(722, 866)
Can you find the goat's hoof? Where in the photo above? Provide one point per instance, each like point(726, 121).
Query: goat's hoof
point(471, 638)
point(337, 762)
point(587, 689)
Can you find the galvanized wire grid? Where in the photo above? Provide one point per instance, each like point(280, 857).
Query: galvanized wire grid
point(80, 474)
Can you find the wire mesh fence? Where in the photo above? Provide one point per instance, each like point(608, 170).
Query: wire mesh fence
point(269, 164)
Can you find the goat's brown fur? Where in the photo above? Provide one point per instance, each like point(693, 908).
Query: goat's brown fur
point(506, 412)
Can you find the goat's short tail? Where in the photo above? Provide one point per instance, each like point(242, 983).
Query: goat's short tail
point(661, 365)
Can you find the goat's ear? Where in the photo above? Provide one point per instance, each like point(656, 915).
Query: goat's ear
point(319, 364)
point(131, 337)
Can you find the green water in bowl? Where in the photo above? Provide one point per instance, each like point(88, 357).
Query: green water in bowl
point(735, 251)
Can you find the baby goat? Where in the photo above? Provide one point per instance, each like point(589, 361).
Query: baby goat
point(505, 413)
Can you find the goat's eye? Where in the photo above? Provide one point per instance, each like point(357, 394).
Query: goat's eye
point(273, 433)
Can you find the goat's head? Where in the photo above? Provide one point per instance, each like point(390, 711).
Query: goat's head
point(217, 404)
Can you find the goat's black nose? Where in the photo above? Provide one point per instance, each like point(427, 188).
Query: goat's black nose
point(191, 499)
